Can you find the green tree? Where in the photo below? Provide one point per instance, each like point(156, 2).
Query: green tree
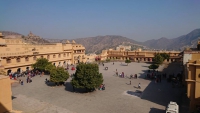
point(87, 76)
point(153, 66)
point(49, 67)
point(127, 61)
point(165, 55)
point(158, 59)
point(41, 64)
point(58, 75)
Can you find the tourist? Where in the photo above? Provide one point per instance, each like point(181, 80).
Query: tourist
point(130, 82)
point(139, 87)
point(113, 63)
point(22, 83)
point(103, 87)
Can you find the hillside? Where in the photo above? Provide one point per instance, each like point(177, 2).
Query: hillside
point(178, 43)
point(30, 38)
point(99, 43)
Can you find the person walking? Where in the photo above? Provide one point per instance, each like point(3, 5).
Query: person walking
point(139, 87)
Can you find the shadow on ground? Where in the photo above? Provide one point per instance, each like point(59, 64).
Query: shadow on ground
point(13, 97)
point(69, 87)
point(155, 110)
point(136, 93)
point(162, 93)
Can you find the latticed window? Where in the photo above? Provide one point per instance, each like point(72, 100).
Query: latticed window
point(26, 59)
point(54, 56)
point(8, 60)
point(48, 56)
point(34, 58)
point(64, 55)
point(18, 59)
point(58, 55)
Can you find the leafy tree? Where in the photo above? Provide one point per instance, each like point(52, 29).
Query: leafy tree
point(58, 75)
point(127, 61)
point(49, 67)
point(165, 55)
point(158, 59)
point(87, 76)
point(41, 63)
point(153, 66)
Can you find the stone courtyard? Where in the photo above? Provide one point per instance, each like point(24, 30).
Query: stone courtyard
point(118, 97)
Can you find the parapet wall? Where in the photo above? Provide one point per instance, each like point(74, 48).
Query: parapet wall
point(5, 94)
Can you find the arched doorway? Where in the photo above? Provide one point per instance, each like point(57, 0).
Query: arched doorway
point(54, 64)
point(9, 71)
point(27, 68)
point(19, 70)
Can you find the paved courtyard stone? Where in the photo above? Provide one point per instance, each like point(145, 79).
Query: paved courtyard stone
point(119, 96)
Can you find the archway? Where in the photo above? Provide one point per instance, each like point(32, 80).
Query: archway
point(54, 64)
point(27, 68)
point(19, 70)
point(9, 71)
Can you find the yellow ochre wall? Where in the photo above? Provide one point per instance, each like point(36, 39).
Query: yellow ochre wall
point(5, 94)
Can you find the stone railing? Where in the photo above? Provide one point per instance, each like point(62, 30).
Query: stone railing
point(14, 54)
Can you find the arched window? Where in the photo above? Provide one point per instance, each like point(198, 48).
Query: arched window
point(26, 59)
point(34, 58)
point(8, 60)
point(64, 55)
point(48, 56)
point(54, 56)
point(18, 59)
point(58, 55)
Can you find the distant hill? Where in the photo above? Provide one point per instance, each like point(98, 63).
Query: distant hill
point(8, 33)
point(30, 38)
point(179, 43)
point(99, 43)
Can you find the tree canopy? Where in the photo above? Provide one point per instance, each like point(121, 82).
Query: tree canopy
point(127, 61)
point(158, 59)
point(58, 74)
point(41, 63)
point(87, 76)
point(153, 66)
point(165, 55)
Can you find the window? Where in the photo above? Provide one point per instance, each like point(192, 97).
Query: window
point(42, 56)
point(26, 59)
point(8, 60)
point(67, 54)
point(34, 58)
point(58, 55)
point(48, 56)
point(54, 56)
point(64, 55)
point(18, 59)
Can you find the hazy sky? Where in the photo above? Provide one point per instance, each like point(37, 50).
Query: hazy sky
point(140, 20)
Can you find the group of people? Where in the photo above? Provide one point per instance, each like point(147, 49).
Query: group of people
point(135, 76)
point(102, 87)
point(30, 74)
point(154, 75)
